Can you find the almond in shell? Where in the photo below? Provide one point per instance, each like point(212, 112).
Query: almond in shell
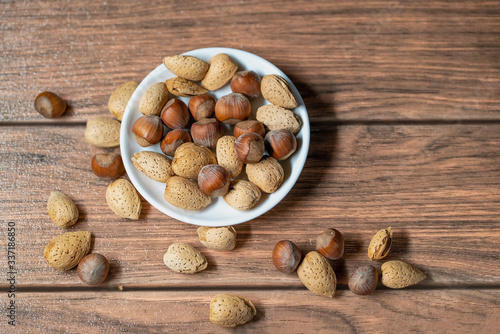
point(276, 90)
point(62, 210)
point(266, 174)
point(66, 250)
point(398, 274)
point(316, 273)
point(221, 70)
point(123, 199)
point(226, 156)
point(119, 99)
point(103, 132)
point(229, 310)
point(187, 67)
point(184, 258)
point(182, 87)
point(217, 238)
point(242, 195)
point(185, 194)
point(275, 118)
point(190, 158)
point(380, 245)
point(154, 165)
point(154, 99)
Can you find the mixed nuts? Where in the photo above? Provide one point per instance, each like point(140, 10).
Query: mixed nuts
point(194, 145)
point(317, 274)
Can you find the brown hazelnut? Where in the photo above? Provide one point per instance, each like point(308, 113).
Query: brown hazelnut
point(364, 280)
point(330, 244)
point(214, 180)
point(175, 114)
point(206, 132)
point(280, 143)
point(249, 126)
point(249, 147)
point(148, 130)
point(108, 165)
point(247, 83)
point(202, 106)
point(93, 269)
point(286, 256)
point(173, 139)
point(49, 105)
point(232, 108)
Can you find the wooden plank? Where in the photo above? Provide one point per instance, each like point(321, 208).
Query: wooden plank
point(278, 311)
point(369, 60)
point(437, 186)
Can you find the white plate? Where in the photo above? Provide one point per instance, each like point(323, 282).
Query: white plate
point(218, 213)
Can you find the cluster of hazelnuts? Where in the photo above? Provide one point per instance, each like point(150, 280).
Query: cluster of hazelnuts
point(233, 109)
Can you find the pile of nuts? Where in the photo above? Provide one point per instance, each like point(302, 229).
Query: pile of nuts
point(317, 274)
point(205, 162)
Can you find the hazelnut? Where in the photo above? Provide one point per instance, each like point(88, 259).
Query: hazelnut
point(214, 180)
point(202, 106)
point(363, 281)
point(109, 165)
point(330, 244)
point(249, 126)
point(232, 108)
point(247, 83)
point(49, 105)
point(280, 143)
point(93, 269)
point(249, 147)
point(173, 139)
point(286, 256)
point(175, 114)
point(148, 130)
point(206, 132)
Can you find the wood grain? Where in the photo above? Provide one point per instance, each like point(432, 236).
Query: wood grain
point(279, 311)
point(437, 186)
point(351, 61)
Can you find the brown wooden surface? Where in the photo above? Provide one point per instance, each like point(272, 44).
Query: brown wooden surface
point(403, 99)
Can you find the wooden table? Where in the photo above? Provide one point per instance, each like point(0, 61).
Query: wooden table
point(403, 98)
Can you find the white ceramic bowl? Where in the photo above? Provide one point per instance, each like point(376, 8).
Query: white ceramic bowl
point(218, 213)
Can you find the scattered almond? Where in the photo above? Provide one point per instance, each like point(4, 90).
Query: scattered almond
point(221, 70)
point(66, 250)
point(185, 194)
point(230, 310)
point(153, 100)
point(119, 98)
point(103, 132)
point(62, 210)
point(154, 165)
point(275, 118)
point(316, 273)
point(182, 87)
point(276, 90)
point(399, 274)
point(123, 199)
point(380, 245)
point(184, 259)
point(217, 238)
point(187, 67)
